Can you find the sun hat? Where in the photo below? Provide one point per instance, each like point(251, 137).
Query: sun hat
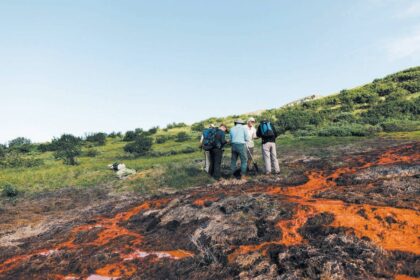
point(239, 121)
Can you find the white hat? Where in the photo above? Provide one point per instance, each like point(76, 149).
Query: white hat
point(251, 120)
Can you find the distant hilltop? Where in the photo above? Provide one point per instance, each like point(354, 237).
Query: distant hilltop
point(293, 103)
point(303, 100)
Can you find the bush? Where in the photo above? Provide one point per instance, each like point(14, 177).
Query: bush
point(99, 139)
point(189, 150)
point(9, 191)
point(3, 150)
point(21, 144)
point(344, 117)
point(153, 130)
point(295, 119)
point(114, 134)
point(91, 153)
point(182, 137)
point(198, 127)
point(393, 125)
point(67, 148)
point(349, 130)
point(16, 160)
point(161, 139)
point(140, 147)
point(176, 125)
point(130, 136)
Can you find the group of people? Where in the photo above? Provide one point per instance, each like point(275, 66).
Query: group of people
point(241, 138)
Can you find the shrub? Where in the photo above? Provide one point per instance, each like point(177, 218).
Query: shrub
point(349, 130)
point(161, 139)
point(16, 160)
point(294, 119)
point(67, 148)
point(141, 145)
point(114, 134)
point(153, 130)
point(411, 86)
point(3, 150)
point(130, 136)
point(188, 150)
point(99, 139)
point(21, 144)
point(199, 127)
point(392, 125)
point(344, 117)
point(182, 137)
point(176, 125)
point(9, 191)
point(91, 153)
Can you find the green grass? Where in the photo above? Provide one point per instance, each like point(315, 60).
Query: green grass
point(183, 170)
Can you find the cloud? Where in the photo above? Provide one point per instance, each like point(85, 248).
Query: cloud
point(411, 10)
point(405, 47)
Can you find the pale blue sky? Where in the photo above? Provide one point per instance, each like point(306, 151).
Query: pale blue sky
point(81, 66)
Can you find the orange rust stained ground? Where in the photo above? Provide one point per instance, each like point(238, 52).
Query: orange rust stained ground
point(110, 230)
point(405, 277)
point(402, 235)
point(117, 270)
point(202, 200)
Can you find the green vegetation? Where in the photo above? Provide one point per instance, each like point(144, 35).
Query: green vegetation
point(170, 157)
point(67, 148)
point(141, 145)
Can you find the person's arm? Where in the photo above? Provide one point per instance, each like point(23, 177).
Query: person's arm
point(222, 136)
point(274, 130)
point(246, 135)
point(254, 134)
point(259, 131)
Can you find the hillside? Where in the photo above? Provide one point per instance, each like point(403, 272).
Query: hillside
point(385, 106)
point(346, 204)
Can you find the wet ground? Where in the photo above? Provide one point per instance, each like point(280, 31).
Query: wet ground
point(352, 216)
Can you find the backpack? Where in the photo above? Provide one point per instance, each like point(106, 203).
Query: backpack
point(267, 130)
point(209, 139)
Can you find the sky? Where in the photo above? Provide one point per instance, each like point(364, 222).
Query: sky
point(81, 66)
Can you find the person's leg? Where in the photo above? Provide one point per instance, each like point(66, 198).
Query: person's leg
point(234, 158)
point(207, 161)
point(244, 158)
point(274, 160)
point(249, 163)
point(212, 162)
point(218, 154)
point(266, 157)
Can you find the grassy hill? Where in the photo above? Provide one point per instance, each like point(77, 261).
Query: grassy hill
point(387, 107)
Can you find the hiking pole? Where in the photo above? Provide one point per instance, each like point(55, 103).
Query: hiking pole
point(252, 159)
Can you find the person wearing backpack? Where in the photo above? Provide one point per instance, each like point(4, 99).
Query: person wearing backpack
point(267, 132)
point(216, 152)
point(239, 136)
point(206, 153)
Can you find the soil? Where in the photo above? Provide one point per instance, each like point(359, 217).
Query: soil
point(352, 215)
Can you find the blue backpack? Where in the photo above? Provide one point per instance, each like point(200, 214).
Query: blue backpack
point(267, 129)
point(209, 139)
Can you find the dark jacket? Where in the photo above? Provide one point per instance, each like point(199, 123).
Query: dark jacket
point(220, 139)
point(267, 139)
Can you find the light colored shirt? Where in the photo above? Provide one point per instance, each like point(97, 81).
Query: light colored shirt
point(252, 132)
point(239, 134)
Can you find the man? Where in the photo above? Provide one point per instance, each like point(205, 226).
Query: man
point(216, 154)
point(267, 132)
point(238, 138)
point(206, 153)
point(250, 144)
